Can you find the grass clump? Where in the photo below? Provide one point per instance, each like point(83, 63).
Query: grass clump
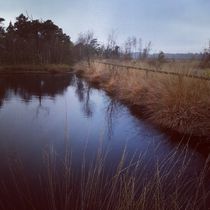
point(181, 104)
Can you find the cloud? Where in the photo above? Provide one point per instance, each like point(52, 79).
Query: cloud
point(178, 26)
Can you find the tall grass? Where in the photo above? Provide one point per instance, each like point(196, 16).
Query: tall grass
point(95, 183)
point(175, 102)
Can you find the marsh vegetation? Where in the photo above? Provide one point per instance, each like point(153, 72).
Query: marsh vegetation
point(86, 135)
point(175, 102)
point(119, 163)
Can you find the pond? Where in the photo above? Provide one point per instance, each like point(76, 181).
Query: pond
point(46, 112)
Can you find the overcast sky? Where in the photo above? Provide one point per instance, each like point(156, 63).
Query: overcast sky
point(171, 26)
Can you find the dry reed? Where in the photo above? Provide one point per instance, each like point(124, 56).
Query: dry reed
point(130, 184)
point(170, 101)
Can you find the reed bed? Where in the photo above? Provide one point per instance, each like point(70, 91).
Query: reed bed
point(171, 101)
point(96, 183)
point(171, 66)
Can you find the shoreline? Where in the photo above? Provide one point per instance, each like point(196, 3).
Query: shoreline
point(182, 108)
point(147, 96)
point(35, 68)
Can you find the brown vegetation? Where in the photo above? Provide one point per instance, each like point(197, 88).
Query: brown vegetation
point(130, 184)
point(175, 102)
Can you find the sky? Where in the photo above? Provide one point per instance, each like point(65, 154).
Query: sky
point(173, 26)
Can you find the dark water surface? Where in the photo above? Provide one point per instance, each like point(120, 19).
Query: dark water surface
point(49, 111)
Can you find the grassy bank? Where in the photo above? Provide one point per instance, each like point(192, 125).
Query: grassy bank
point(41, 68)
point(174, 102)
point(180, 66)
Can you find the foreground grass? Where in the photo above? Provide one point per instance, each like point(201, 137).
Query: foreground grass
point(174, 102)
point(51, 68)
point(94, 184)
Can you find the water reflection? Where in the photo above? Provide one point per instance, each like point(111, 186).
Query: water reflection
point(27, 86)
point(32, 88)
point(83, 92)
point(112, 111)
point(40, 111)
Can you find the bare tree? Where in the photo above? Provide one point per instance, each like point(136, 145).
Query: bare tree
point(205, 60)
point(88, 45)
point(128, 48)
point(134, 45)
point(140, 48)
point(146, 50)
point(111, 41)
point(112, 49)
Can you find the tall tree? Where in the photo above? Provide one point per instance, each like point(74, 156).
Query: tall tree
point(34, 41)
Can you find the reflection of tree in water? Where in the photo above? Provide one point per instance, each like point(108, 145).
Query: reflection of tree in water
point(88, 108)
point(111, 114)
point(3, 91)
point(80, 89)
point(28, 85)
point(40, 108)
point(83, 92)
point(2, 94)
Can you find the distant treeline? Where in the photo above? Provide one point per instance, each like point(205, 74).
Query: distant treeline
point(28, 41)
point(33, 41)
